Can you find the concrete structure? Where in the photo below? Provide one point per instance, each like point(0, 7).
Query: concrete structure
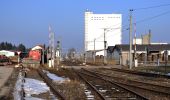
point(7, 53)
point(95, 27)
point(145, 39)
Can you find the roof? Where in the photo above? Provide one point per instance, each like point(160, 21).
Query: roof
point(38, 47)
point(150, 47)
point(110, 48)
point(7, 51)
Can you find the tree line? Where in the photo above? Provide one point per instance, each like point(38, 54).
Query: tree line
point(10, 46)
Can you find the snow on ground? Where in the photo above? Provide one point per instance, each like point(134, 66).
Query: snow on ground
point(168, 74)
point(56, 78)
point(31, 86)
point(17, 88)
point(32, 98)
point(88, 93)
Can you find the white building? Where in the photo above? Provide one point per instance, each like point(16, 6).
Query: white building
point(7, 53)
point(138, 41)
point(95, 24)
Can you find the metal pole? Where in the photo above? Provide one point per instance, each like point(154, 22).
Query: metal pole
point(43, 55)
point(135, 55)
point(94, 51)
point(105, 62)
point(51, 43)
point(145, 61)
point(53, 50)
point(130, 40)
point(85, 58)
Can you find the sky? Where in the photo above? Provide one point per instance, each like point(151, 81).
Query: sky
point(27, 21)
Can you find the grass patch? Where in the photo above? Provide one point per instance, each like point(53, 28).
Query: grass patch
point(72, 90)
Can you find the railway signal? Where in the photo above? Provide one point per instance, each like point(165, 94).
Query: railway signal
point(18, 52)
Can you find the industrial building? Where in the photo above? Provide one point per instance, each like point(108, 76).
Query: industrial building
point(146, 54)
point(102, 30)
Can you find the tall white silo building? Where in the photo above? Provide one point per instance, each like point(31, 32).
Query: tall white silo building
point(95, 27)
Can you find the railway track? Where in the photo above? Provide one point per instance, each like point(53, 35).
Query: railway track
point(38, 74)
point(50, 84)
point(108, 90)
point(141, 73)
point(153, 89)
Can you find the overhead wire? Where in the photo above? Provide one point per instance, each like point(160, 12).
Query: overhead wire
point(153, 17)
point(140, 21)
point(114, 29)
point(151, 7)
point(150, 18)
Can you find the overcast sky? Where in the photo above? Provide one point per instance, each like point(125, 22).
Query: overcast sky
point(27, 21)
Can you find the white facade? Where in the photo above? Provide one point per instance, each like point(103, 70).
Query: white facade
point(7, 53)
point(94, 29)
point(138, 41)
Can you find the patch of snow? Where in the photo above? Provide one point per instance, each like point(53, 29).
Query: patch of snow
point(113, 88)
point(168, 74)
point(97, 85)
point(56, 78)
point(87, 92)
point(33, 98)
point(90, 96)
point(17, 87)
point(117, 90)
point(32, 86)
point(102, 91)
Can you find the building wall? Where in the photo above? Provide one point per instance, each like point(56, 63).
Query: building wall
point(7, 53)
point(138, 41)
point(94, 29)
point(146, 38)
point(124, 58)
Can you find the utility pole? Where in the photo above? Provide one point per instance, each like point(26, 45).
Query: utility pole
point(105, 42)
point(94, 53)
point(135, 55)
point(58, 52)
point(130, 39)
point(43, 54)
point(146, 50)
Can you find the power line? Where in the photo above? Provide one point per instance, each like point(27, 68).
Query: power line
point(112, 30)
point(153, 17)
point(151, 7)
point(146, 19)
point(143, 20)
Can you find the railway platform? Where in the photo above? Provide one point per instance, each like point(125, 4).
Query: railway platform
point(5, 73)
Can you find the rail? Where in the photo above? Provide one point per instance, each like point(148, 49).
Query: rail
point(140, 73)
point(118, 85)
point(50, 84)
point(98, 93)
